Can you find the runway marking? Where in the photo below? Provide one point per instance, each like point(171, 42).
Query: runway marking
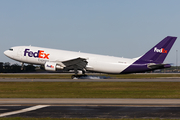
point(23, 110)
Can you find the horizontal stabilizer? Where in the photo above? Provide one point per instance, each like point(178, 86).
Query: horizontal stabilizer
point(158, 66)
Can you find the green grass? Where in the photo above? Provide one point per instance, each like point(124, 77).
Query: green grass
point(89, 90)
point(68, 76)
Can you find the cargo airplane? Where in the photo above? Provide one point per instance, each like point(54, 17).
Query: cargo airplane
point(53, 59)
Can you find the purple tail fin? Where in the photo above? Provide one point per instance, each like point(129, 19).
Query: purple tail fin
point(159, 52)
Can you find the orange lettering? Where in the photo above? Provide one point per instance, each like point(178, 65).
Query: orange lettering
point(41, 53)
point(46, 56)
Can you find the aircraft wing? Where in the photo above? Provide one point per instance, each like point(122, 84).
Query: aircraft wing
point(76, 64)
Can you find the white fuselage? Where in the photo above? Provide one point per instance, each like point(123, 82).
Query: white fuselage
point(98, 63)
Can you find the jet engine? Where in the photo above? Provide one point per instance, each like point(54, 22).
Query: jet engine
point(52, 66)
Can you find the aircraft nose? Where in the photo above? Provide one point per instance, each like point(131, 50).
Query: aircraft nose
point(6, 52)
point(9, 53)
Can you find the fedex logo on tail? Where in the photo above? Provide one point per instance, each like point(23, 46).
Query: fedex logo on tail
point(38, 54)
point(162, 50)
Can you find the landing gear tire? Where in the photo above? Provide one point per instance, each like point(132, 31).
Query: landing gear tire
point(73, 77)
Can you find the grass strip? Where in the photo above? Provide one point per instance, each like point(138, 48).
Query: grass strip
point(89, 90)
point(68, 76)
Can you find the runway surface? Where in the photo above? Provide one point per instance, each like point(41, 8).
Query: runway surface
point(91, 80)
point(91, 112)
point(89, 108)
point(88, 101)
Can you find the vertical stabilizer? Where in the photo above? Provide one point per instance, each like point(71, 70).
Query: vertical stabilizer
point(153, 59)
point(159, 52)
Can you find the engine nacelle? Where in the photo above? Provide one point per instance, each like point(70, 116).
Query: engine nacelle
point(50, 66)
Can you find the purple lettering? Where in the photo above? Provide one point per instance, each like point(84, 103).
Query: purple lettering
point(30, 54)
point(36, 54)
point(26, 51)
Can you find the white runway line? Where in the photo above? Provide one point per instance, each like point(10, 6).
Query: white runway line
point(23, 110)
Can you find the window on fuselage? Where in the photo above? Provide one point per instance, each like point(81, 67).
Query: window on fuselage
point(11, 49)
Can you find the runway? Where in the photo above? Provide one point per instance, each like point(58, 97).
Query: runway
point(91, 80)
point(89, 108)
point(90, 112)
point(89, 101)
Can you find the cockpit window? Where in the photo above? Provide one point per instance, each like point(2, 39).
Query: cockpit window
point(11, 49)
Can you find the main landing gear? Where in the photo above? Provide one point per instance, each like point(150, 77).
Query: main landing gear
point(76, 76)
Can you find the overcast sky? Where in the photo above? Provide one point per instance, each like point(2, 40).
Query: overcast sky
point(122, 28)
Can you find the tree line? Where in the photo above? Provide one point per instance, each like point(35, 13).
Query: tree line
point(15, 68)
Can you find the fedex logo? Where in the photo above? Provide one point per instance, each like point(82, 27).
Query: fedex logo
point(162, 50)
point(50, 66)
point(38, 54)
